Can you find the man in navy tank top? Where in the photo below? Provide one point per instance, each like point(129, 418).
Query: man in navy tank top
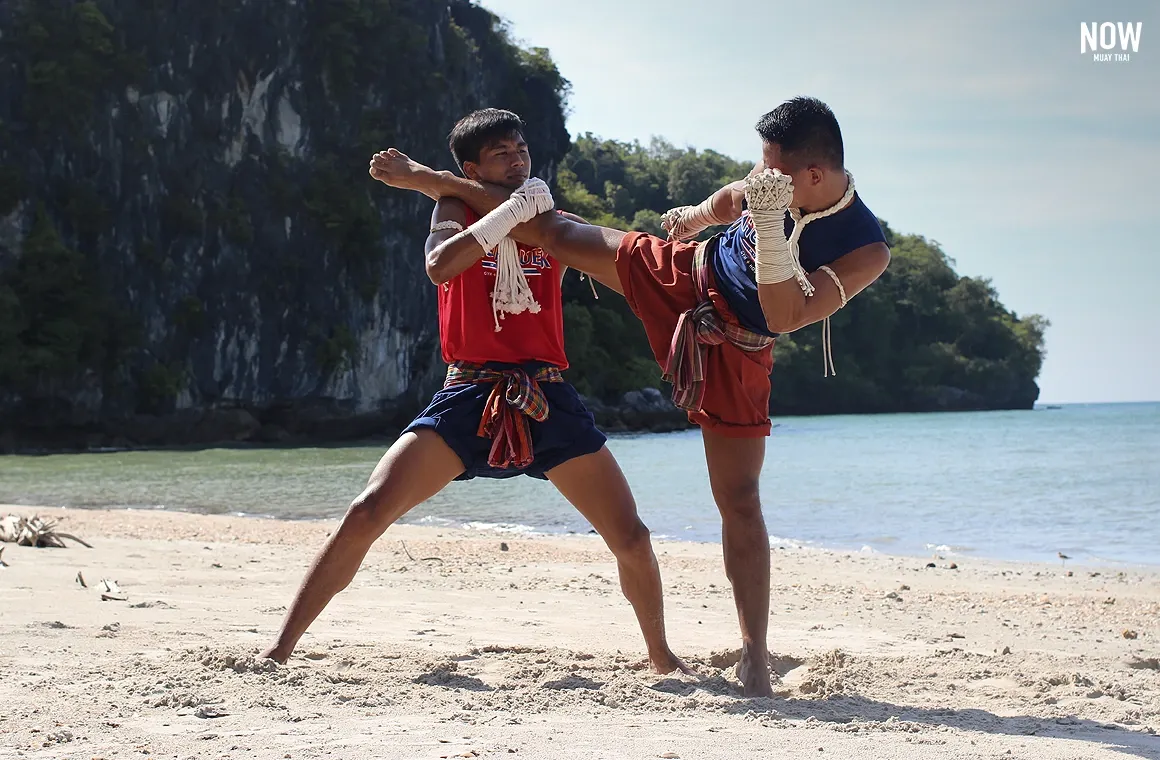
point(505, 409)
point(799, 243)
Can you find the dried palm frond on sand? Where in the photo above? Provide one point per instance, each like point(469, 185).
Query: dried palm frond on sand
point(34, 531)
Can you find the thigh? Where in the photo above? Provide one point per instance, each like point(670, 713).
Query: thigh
point(737, 386)
point(657, 285)
point(596, 486)
point(585, 247)
point(419, 465)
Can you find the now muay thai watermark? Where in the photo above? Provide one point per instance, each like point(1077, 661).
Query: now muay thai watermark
point(1102, 40)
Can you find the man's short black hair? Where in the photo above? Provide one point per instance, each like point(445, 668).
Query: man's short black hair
point(478, 129)
point(806, 131)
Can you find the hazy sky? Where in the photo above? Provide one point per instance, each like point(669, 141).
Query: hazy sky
point(976, 124)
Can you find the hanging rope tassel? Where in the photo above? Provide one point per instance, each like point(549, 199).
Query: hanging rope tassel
point(511, 294)
point(828, 368)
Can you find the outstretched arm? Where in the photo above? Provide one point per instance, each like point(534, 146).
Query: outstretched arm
point(394, 168)
point(722, 208)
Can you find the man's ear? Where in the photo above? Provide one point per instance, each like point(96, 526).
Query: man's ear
point(471, 170)
point(816, 175)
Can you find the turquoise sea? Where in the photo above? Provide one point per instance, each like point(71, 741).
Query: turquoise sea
point(1081, 479)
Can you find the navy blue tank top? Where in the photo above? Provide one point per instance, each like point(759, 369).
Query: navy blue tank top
point(822, 242)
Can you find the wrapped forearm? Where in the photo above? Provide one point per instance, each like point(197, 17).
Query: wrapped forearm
point(531, 199)
point(769, 196)
point(684, 222)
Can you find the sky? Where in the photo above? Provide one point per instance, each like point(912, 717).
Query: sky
point(979, 125)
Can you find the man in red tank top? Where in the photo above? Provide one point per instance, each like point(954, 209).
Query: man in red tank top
point(504, 410)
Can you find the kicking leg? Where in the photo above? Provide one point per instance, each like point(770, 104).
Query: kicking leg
point(413, 470)
point(595, 485)
point(584, 247)
point(734, 468)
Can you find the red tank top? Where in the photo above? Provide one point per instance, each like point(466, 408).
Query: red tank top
point(467, 327)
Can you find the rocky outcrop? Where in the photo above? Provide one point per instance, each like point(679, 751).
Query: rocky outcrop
point(190, 246)
point(644, 410)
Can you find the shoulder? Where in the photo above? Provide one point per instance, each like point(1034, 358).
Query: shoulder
point(858, 221)
point(450, 210)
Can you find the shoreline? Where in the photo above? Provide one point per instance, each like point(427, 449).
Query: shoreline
point(648, 412)
point(451, 642)
point(940, 556)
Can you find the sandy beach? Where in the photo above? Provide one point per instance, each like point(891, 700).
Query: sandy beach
point(468, 644)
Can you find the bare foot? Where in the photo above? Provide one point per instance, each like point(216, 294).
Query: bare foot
point(753, 672)
point(666, 662)
point(393, 167)
point(275, 654)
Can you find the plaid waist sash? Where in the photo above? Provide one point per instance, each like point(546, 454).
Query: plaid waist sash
point(515, 397)
point(698, 328)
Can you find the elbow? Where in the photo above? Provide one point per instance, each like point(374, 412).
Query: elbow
point(437, 269)
point(781, 326)
point(785, 322)
point(883, 260)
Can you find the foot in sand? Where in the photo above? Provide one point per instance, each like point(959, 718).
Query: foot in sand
point(277, 655)
point(667, 662)
point(753, 672)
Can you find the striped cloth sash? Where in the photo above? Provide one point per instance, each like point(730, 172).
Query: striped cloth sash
point(516, 397)
point(697, 329)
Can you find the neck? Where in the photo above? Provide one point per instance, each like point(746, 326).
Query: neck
point(833, 191)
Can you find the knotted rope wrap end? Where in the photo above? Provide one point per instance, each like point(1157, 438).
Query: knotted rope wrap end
point(511, 294)
point(828, 368)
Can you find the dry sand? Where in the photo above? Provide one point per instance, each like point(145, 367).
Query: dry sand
point(448, 646)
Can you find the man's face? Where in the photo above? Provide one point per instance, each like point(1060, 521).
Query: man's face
point(504, 162)
point(805, 179)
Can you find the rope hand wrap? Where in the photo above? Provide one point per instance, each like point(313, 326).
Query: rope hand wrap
point(685, 222)
point(511, 294)
point(447, 224)
point(781, 257)
point(768, 196)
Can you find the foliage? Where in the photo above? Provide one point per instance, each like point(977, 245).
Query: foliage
point(117, 214)
point(336, 351)
point(70, 55)
point(56, 320)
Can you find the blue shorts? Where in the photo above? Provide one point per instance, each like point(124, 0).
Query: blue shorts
point(567, 433)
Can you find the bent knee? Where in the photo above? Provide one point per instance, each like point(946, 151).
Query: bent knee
point(633, 542)
point(373, 510)
point(740, 500)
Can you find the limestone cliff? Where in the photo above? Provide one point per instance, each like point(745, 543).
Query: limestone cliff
point(190, 246)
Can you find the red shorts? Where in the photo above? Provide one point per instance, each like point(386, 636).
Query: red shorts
point(657, 279)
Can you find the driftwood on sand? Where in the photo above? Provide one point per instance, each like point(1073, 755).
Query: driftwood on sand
point(34, 531)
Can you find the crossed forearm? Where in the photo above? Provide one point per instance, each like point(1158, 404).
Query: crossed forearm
point(483, 198)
